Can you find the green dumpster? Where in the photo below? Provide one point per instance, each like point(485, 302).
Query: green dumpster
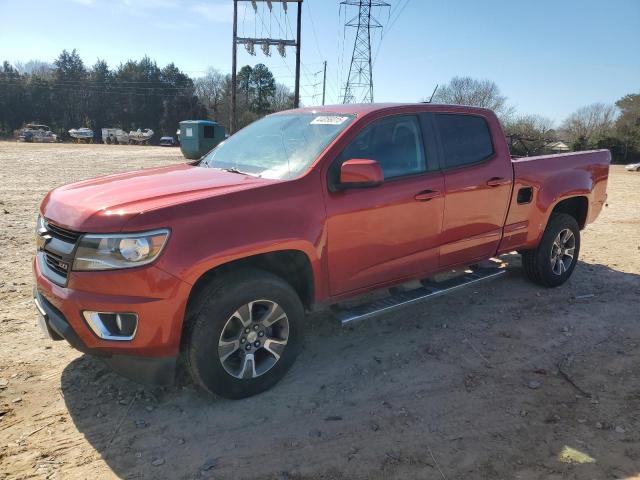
point(197, 137)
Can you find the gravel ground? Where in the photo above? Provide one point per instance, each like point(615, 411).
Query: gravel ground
point(503, 380)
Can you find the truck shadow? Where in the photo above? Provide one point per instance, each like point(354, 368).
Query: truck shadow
point(343, 376)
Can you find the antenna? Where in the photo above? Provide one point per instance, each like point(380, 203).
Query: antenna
point(434, 92)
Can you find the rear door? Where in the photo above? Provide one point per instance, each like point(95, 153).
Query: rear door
point(478, 180)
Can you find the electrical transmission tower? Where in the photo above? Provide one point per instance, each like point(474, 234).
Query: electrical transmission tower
point(359, 85)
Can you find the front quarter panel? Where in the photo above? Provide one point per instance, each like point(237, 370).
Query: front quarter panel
point(207, 233)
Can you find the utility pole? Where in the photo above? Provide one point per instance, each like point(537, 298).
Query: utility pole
point(266, 43)
point(359, 86)
point(324, 82)
point(234, 68)
point(296, 94)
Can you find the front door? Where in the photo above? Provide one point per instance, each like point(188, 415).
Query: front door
point(390, 232)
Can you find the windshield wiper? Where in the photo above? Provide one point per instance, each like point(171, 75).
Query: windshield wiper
point(235, 170)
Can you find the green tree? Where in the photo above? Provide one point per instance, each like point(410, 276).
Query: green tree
point(99, 113)
point(245, 87)
point(628, 127)
point(13, 100)
point(71, 100)
point(264, 86)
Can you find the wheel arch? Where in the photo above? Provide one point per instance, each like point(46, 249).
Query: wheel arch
point(577, 207)
point(293, 266)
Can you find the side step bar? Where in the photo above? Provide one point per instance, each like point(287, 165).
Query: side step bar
point(429, 290)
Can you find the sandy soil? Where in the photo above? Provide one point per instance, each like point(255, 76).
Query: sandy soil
point(504, 380)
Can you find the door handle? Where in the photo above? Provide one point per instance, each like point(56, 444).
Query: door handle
point(496, 181)
point(426, 195)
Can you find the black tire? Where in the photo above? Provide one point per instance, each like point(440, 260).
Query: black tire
point(108, 141)
point(209, 314)
point(538, 265)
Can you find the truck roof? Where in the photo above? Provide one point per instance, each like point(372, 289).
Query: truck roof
point(365, 108)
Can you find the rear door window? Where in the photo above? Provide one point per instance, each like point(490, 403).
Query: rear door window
point(465, 139)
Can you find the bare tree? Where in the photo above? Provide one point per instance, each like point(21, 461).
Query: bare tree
point(528, 134)
point(39, 68)
point(211, 90)
point(476, 93)
point(282, 99)
point(589, 124)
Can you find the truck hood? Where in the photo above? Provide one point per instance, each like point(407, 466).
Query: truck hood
point(105, 204)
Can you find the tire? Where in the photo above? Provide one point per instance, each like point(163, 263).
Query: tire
point(552, 262)
point(108, 141)
point(216, 339)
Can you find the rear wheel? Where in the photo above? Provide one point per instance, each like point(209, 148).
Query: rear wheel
point(243, 334)
point(552, 263)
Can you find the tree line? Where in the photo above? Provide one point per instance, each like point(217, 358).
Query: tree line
point(615, 127)
point(136, 94)
point(139, 94)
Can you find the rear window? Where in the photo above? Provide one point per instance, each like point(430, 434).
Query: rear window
point(465, 139)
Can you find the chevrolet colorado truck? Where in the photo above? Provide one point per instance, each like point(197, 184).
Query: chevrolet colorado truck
point(215, 263)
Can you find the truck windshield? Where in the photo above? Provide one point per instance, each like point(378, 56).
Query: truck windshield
point(278, 146)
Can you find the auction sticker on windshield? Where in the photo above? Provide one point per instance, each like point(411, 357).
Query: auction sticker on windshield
point(329, 120)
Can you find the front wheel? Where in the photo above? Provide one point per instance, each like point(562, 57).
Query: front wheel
point(552, 263)
point(243, 333)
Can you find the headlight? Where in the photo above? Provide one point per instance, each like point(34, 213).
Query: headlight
point(126, 250)
point(39, 224)
point(41, 229)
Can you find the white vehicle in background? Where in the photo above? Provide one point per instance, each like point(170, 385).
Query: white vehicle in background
point(140, 136)
point(81, 134)
point(114, 136)
point(36, 133)
point(633, 167)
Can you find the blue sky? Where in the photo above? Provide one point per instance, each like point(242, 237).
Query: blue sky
point(548, 57)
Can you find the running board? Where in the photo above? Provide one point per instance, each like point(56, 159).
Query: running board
point(429, 290)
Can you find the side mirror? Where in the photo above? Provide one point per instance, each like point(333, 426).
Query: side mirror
point(360, 173)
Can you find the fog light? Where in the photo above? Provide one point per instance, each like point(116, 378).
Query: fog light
point(112, 325)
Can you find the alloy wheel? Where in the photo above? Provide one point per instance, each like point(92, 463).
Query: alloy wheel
point(562, 251)
point(253, 339)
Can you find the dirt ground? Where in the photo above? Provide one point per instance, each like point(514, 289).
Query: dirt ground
point(503, 380)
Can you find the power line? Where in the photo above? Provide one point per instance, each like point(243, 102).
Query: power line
point(391, 24)
point(265, 41)
point(313, 29)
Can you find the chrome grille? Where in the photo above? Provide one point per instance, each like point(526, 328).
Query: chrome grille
point(56, 249)
point(57, 264)
point(62, 233)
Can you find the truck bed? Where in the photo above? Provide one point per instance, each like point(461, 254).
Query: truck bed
point(541, 182)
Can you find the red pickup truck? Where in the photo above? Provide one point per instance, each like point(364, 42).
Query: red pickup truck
point(216, 262)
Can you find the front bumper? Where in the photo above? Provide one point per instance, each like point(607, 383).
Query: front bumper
point(158, 298)
point(147, 370)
